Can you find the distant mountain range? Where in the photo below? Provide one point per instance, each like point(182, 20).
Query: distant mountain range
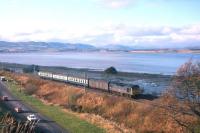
point(62, 47)
point(117, 48)
point(43, 46)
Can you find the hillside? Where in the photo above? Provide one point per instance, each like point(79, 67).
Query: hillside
point(43, 46)
point(130, 115)
point(31, 46)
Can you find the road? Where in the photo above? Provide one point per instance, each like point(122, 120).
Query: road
point(45, 125)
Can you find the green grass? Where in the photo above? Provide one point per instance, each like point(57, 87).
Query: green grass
point(66, 120)
point(196, 127)
point(3, 110)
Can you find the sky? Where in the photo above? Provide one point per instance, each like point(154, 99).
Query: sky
point(139, 23)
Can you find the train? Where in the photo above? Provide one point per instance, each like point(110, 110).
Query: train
point(103, 85)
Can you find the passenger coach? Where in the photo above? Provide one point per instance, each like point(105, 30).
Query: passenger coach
point(117, 88)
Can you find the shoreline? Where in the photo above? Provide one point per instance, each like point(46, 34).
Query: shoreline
point(127, 73)
point(155, 84)
point(136, 51)
point(160, 51)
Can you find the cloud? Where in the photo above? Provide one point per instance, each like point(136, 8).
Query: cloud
point(30, 33)
point(146, 37)
point(192, 29)
point(116, 4)
point(137, 36)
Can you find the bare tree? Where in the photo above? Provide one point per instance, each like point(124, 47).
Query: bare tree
point(187, 85)
point(186, 93)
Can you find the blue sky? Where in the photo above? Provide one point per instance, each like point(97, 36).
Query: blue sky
point(144, 23)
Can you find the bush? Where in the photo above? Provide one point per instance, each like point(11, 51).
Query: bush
point(30, 89)
point(72, 103)
point(111, 70)
point(73, 99)
point(76, 108)
point(10, 125)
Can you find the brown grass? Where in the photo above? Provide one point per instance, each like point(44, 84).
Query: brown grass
point(140, 116)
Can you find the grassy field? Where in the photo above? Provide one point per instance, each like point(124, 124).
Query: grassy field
point(66, 120)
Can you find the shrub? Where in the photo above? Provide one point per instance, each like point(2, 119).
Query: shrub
point(73, 98)
point(30, 89)
point(10, 125)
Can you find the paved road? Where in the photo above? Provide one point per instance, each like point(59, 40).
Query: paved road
point(44, 126)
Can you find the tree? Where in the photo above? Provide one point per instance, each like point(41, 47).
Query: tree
point(31, 69)
point(187, 85)
point(111, 70)
point(186, 90)
point(8, 70)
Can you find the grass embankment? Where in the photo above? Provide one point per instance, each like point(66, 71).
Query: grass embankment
point(143, 116)
point(68, 121)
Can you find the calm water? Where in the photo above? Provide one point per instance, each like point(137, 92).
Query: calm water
point(165, 63)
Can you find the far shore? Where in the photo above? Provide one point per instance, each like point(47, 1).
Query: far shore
point(197, 51)
point(186, 51)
